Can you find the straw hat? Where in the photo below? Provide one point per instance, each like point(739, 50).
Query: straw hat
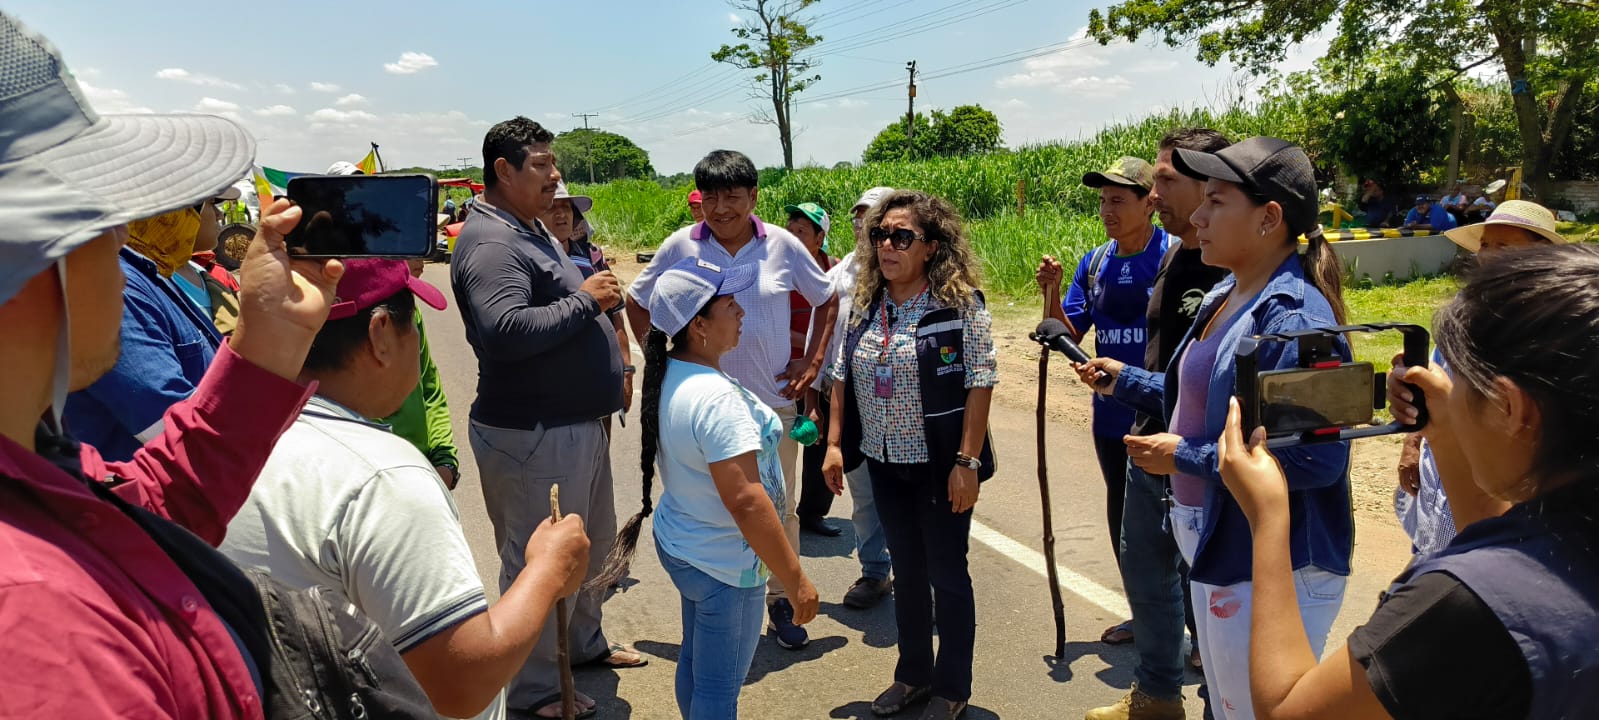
point(1529, 216)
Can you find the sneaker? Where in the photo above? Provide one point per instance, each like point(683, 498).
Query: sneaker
point(789, 636)
point(1138, 706)
point(867, 592)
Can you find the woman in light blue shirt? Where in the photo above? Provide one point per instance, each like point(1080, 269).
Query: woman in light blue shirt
point(717, 531)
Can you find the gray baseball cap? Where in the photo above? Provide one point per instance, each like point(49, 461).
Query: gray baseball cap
point(67, 173)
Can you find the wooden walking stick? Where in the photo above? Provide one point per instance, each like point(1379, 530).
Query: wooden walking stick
point(1051, 295)
point(563, 614)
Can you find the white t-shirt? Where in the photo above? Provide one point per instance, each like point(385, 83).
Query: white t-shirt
point(842, 277)
point(707, 417)
point(345, 504)
point(784, 266)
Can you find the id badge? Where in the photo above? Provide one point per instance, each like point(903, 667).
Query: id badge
point(884, 381)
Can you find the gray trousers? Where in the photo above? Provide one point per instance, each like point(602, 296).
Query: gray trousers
point(516, 469)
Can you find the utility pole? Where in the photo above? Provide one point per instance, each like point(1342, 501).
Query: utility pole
point(910, 113)
point(589, 140)
point(464, 161)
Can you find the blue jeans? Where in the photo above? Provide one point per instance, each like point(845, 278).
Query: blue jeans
point(1150, 576)
point(721, 626)
point(871, 545)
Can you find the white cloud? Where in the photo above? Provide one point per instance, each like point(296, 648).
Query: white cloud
point(181, 75)
point(351, 99)
point(109, 100)
point(411, 63)
point(324, 87)
point(341, 117)
point(849, 104)
point(734, 18)
point(283, 88)
point(276, 111)
point(213, 105)
point(1152, 67)
point(1015, 104)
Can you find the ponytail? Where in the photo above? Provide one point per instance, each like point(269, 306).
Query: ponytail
point(620, 557)
point(1322, 267)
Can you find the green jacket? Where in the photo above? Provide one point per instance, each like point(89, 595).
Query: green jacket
point(424, 419)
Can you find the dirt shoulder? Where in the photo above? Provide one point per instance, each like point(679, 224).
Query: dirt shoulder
point(1068, 400)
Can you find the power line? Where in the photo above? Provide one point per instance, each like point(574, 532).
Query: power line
point(666, 98)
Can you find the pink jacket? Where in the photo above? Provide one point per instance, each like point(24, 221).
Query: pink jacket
point(95, 619)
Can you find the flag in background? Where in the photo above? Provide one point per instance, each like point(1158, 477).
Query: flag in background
point(371, 164)
point(263, 188)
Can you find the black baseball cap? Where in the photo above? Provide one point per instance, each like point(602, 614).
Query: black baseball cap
point(1274, 169)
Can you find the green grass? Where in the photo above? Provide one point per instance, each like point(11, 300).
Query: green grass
point(1412, 302)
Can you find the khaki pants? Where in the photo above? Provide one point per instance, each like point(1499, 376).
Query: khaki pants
point(516, 469)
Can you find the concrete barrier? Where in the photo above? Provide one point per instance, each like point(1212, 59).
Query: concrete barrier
point(1405, 257)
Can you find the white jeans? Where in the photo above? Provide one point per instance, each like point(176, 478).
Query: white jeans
point(1221, 614)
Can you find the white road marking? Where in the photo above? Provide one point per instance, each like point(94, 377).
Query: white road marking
point(1107, 599)
point(1077, 584)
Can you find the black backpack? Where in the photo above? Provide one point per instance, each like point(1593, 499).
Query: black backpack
point(317, 658)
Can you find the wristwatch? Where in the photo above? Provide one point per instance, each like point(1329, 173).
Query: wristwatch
point(967, 461)
point(628, 369)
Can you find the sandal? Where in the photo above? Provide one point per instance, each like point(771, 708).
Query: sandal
point(1119, 634)
point(542, 708)
point(610, 659)
point(896, 697)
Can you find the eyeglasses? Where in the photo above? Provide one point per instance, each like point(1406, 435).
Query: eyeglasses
point(900, 238)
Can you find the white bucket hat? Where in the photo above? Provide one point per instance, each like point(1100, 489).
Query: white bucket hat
point(1529, 216)
point(67, 173)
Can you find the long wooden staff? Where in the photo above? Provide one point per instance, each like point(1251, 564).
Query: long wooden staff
point(1051, 295)
point(563, 614)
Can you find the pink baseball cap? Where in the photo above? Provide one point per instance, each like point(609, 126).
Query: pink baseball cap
point(695, 197)
point(368, 282)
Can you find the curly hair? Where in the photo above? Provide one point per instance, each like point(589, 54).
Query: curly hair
point(953, 275)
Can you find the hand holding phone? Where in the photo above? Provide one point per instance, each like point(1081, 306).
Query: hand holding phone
point(364, 216)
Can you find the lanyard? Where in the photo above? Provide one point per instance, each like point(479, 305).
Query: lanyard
point(887, 336)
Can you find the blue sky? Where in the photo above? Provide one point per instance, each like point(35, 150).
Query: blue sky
point(316, 81)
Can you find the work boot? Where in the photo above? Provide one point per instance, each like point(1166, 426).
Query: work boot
point(867, 592)
point(789, 636)
point(1138, 706)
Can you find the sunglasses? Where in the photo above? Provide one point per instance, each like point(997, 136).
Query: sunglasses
point(900, 238)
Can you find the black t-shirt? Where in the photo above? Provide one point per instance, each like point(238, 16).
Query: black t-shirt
point(1180, 286)
point(1434, 650)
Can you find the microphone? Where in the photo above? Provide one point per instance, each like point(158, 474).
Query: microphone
point(1052, 333)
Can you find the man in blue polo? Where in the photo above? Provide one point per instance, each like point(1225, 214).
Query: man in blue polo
point(1428, 215)
point(1109, 294)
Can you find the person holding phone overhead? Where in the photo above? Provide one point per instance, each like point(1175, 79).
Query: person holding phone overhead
point(1260, 197)
point(913, 386)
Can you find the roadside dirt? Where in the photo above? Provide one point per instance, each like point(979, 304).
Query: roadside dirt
point(1068, 399)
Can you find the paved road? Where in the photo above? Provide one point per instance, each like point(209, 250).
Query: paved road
point(851, 656)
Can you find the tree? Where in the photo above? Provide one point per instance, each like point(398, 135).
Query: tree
point(614, 156)
point(965, 130)
point(1547, 49)
point(773, 43)
point(1386, 127)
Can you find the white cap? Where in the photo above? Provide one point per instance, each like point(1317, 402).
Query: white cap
point(687, 286)
point(343, 168)
point(872, 197)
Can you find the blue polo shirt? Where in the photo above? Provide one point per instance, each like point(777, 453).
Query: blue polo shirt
point(1437, 217)
point(1117, 310)
point(167, 344)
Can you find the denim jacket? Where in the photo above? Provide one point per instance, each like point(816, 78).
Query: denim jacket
point(1322, 529)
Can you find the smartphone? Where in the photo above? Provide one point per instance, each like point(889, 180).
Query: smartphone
point(1310, 399)
point(364, 216)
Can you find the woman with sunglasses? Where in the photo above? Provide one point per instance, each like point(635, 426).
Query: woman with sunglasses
point(915, 379)
point(1260, 197)
point(1502, 623)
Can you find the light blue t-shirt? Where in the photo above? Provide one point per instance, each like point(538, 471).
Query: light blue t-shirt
point(1427, 516)
point(707, 417)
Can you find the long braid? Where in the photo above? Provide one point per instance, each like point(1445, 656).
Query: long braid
point(620, 557)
